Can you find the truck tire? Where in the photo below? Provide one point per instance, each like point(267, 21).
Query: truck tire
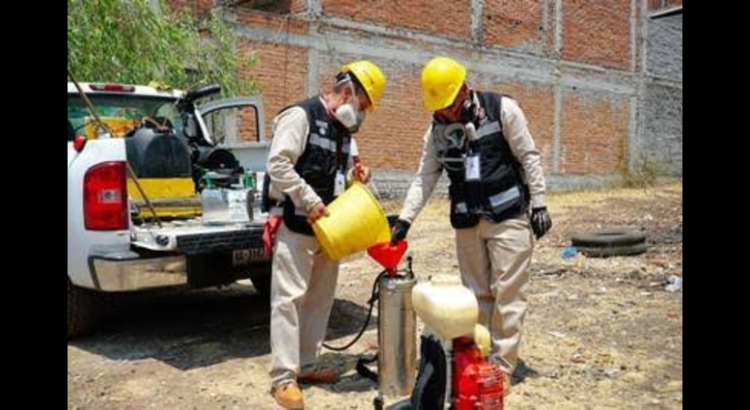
point(262, 284)
point(261, 279)
point(607, 251)
point(608, 238)
point(81, 310)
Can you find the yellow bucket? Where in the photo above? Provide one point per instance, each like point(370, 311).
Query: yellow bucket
point(356, 222)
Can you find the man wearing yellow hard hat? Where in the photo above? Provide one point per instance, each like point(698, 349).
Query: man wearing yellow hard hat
point(482, 141)
point(312, 159)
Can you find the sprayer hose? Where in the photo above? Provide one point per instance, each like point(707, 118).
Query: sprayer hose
point(371, 302)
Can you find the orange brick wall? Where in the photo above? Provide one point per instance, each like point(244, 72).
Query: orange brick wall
point(443, 18)
point(515, 24)
point(197, 7)
point(597, 32)
point(594, 132)
point(281, 72)
point(663, 4)
point(594, 124)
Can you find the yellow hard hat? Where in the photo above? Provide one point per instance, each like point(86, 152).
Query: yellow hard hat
point(370, 77)
point(442, 79)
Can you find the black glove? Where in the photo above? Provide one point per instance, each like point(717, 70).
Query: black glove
point(400, 228)
point(540, 221)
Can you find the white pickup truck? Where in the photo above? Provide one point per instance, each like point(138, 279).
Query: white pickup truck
point(136, 193)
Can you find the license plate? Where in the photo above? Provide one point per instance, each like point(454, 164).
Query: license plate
point(246, 256)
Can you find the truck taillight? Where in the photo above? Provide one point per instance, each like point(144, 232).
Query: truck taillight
point(79, 143)
point(105, 197)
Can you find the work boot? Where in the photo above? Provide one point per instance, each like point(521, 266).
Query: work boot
point(288, 396)
point(319, 376)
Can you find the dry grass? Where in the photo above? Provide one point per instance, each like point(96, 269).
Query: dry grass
point(600, 333)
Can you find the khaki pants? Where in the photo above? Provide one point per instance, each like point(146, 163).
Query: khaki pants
point(494, 259)
point(302, 292)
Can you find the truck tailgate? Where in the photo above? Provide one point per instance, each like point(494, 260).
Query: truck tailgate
point(194, 237)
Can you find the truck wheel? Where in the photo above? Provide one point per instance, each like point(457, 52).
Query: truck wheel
point(81, 309)
point(262, 280)
point(263, 285)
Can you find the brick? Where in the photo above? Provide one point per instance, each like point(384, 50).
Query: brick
point(594, 132)
point(281, 73)
point(198, 8)
point(443, 18)
point(594, 125)
point(597, 32)
point(655, 5)
point(281, 23)
point(516, 24)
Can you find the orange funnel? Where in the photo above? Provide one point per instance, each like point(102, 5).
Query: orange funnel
point(388, 255)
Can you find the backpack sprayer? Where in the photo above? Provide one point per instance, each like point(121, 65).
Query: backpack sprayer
point(454, 371)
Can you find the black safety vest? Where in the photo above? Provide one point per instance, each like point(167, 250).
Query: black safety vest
point(500, 192)
point(326, 153)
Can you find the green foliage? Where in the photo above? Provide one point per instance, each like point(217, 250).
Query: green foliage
point(126, 41)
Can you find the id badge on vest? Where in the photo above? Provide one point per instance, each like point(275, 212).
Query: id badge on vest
point(471, 165)
point(340, 184)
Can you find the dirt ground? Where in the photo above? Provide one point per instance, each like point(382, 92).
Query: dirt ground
point(600, 333)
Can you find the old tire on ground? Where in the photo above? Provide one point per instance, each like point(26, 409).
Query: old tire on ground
point(81, 310)
point(606, 251)
point(608, 238)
